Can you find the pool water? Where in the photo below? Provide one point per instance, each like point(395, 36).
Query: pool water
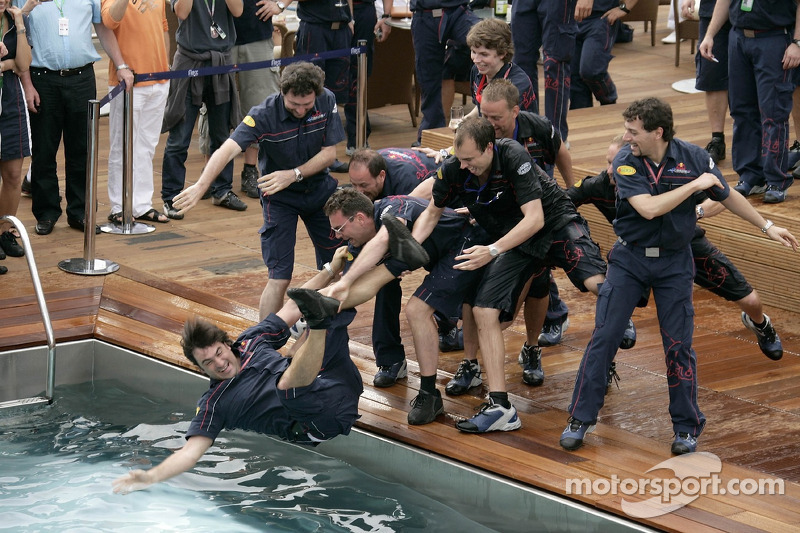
point(57, 464)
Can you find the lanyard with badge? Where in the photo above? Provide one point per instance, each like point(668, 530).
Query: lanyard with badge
point(747, 5)
point(216, 31)
point(63, 22)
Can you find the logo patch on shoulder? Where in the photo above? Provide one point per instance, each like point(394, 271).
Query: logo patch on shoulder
point(579, 183)
point(439, 173)
point(626, 170)
point(249, 121)
point(524, 169)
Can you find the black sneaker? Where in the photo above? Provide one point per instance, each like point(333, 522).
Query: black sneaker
point(774, 195)
point(315, 307)
point(9, 245)
point(572, 437)
point(552, 332)
point(716, 149)
point(3, 270)
point(402, 245)
point(171, 212)
point(452, 341)
point(467, 376)
point(386, 376)
point(683, 443)
point(613, 377)
point(530, 357)
point(767, 337)
point(230, 201)
point(425, 408)
point(340, 166)
point(250, 181)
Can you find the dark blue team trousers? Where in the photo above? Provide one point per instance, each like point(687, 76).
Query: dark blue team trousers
point(630, 273)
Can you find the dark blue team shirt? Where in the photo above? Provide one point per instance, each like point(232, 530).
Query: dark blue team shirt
point(514, 180)
point(405, 169)
point(251, 400)
point(250, 28)
point(511, 72)
point(537, 134)
point(322, 11)
point(287, 142)
point(683, 162)
point(417, 5)
point(765, 14)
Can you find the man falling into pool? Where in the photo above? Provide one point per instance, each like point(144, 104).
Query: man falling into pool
point(308, 398)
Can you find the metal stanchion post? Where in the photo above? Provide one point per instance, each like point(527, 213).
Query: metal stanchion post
point(361, 101)
point(128, 226)
point(87, 264)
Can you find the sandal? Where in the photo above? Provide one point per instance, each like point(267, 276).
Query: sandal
point(115, 218)
point(154, 216)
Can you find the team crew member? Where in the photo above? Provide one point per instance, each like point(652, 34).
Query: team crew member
point(764, 49)
point(548, 25)
point(308, 398)
point(657, 176)
point(523, 212)
point(433, 24)
point(713, 270)
point(597, 33)
point(297, 130)
point(442, 290)
point(492, 50)
point(379, 174)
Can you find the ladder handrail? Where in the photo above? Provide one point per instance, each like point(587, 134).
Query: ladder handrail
point(37, 287)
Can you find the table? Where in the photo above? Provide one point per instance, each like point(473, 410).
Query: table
point(437, 138)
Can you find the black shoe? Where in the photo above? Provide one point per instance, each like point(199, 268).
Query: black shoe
point(26, 187)
point(3, 270)
point(613, 377)
point(716, 149)
point(425, 408)
point(230, 201)
point(402, 245)
point(315, 307)
point(530, 358)
point(340, 166)
point(250, 177)
point(386, 376)
point(171, 212)
point(80, 225)
point(416, 144)
point(452, 341)
point(45, 227)
point(9, 245)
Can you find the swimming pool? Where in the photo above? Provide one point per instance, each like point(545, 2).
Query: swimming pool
point(117, 410)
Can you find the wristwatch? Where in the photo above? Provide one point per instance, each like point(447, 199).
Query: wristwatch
point(624, 8)
point(298, 176)
point(123, 66)
point(493, 251)
point(768, 225)
point(796, 41)
point(700, 212)
point(281, 6)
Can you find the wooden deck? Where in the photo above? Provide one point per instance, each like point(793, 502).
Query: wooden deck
point(210, 264)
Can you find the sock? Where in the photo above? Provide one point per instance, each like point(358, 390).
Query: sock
point(500, 398)
point(474, 361)
point(246, 166)
point(718, 135)
point(761, 325)
point(428, 384)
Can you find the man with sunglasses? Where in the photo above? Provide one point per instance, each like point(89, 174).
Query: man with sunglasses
point(531, 225)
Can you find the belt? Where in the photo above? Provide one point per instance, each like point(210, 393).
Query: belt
point(435, 13)
point(649, 251)
point(763, 33)
point(64, 72)
point(332, 25)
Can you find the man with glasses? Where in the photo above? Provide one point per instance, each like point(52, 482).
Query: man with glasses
point(297, 130)
point(531, 225)
point(371, 231)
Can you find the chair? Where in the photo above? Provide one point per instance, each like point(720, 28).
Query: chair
point(287, 47)
point(645, 11)
point(684, 29)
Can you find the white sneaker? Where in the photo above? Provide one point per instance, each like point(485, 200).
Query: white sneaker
point(669, 39)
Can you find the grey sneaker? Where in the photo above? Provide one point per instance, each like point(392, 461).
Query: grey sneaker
point(530, 358)
point(230, 201)
point(171, 212)
point(250, 181)
point(425, 408)
point(386, 376)
point(774, 195)
point(767, 337)
point(746, 190)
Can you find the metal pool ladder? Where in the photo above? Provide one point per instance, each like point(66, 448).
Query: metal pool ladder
point(48, 327)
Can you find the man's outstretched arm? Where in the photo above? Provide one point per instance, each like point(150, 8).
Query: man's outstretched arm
point(177, 463)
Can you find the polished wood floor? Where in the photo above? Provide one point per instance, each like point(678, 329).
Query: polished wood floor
point(210, 263)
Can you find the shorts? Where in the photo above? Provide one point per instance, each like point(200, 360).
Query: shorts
point(713, 76)
point(255, 85)
point(457, 62)
point(715, 272)
point(576, 253)
point(279, 232)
